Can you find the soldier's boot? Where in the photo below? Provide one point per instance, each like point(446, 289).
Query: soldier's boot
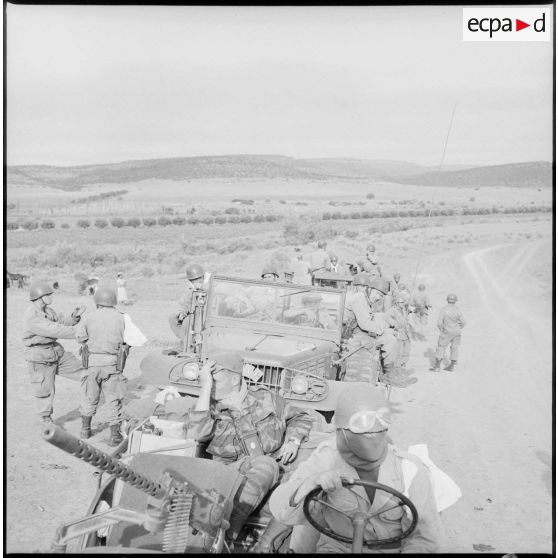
point(436, 367)
point(451, 366)
point(85, 431)
point(272, 538)
point(115, 435)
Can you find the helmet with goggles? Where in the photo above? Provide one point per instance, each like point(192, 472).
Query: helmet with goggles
point(361, 408)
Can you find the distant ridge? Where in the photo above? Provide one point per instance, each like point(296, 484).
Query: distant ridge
point(276, 167)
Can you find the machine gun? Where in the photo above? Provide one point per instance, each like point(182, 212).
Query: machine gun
point(171, 506)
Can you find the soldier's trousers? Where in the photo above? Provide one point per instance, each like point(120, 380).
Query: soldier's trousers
point(103, 378)
point(179, 330)
point(451, 339)
point(42, 376)
point(262, 473)
point(388, 347)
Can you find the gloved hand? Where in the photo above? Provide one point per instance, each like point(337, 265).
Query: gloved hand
point(77, 313)
point(288, 452)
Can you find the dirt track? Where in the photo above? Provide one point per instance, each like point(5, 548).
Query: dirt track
point(488, 424)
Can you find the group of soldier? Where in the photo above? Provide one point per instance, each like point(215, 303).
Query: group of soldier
point(259, 432)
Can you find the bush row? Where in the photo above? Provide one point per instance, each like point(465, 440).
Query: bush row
point(163, 221)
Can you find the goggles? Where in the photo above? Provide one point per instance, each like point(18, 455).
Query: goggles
point(369, 421)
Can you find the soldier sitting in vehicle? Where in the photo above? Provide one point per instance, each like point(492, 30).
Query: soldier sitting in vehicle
point(310, 313)
point(362, 450)
point(247, 429)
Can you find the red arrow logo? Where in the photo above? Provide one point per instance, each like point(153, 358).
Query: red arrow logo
point(519, 25)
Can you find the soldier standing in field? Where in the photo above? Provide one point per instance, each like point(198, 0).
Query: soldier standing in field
point(196, 280)
point(249, 430)
point(121, 289)
point(400, 314)
point(45, 356)
point(450, 324)
point(104, 353)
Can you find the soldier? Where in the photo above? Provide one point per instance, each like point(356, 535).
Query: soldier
point(334, 266)
point(394, 285)
point(301, 269)
point(104, 352)
point(400, 314)
point(246, 429)
point(362, 450)
point(361, 323)
point(121, 289)
point(319, 260)
point(421, 304)
point(270, 273)
point(46, 358)
point(450, 324)
point(374, 261)
point(197, 280)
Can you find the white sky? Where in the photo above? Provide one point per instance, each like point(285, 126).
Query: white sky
point(98, 84)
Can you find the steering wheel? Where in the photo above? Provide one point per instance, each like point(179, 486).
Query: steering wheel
point(359, 518)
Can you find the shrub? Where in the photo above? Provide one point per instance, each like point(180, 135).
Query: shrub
point(163, 221)
point(326, 216)
point(134, 222)
point(471, 199)
point(65, 225)
point(193, 220)
point(370, 196)
point(208, 220)
point(284, 202)
point(355, 215)
point(29, 225)
point(13, 205)
point(259, 218)
point(221, 219)
point(179, 220)
point(233, 219)
point(117, 222)
point(12, 226)
point(48, 224)
point(270, 217)
point(351, 234)
point(83, 223)
point(101, 223)
point(149, 221)
point(336, 215)
point(232, 211)
point(246, 219)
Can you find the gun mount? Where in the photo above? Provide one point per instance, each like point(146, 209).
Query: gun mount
point(170, 508)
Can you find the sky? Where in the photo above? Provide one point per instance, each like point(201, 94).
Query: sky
point(100, 84)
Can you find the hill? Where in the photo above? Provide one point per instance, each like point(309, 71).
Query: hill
point(238, 167)
point(531, 174)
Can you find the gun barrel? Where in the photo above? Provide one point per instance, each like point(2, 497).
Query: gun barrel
point(65, 441)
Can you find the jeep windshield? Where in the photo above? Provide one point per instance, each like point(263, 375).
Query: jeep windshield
point(274, 306)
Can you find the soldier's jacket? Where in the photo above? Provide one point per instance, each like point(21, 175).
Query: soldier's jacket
point(358, 313)
point(185, 302)
point(319, 260)
point(451, 319)
point(103, 331)
point(420, 300)
point(401, 317)
point(41, 329)
point(274, 420)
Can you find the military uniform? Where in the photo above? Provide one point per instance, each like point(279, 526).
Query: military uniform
point(319, 261)
point(45, 357)
point(400, 470)
point(245, 438)
point(450, 324)
point(103, 331)
point(359, 323)
point(421, 303)
point(401, 317)
point(186, 307)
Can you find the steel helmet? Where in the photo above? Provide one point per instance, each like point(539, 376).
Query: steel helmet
point(229, 360)
point(421, 287)
point(104, 296)
point(322, 244)
point(380, 284)
point(269, 269)
point(194, 271)
point(361, 407)
point(451, 297)
point(361, 280)
point(38, 290)
point(371, 248)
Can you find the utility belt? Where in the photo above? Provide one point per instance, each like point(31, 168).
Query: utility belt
point(248, 436)
point(121, 356)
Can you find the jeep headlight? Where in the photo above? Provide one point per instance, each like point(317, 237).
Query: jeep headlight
point(191, 371)
point(299, 385)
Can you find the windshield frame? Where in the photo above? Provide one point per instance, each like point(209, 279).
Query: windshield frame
point(275, 328)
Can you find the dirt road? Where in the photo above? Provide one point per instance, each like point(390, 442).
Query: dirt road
point(488, 424)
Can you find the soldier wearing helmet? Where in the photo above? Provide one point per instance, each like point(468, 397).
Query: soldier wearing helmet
point(101, 335)
point(319, 259)
point(334, 265)
point(270, 273)
point(420, 303)
point(362, 450)
point(196, 280)
point(44, 355)
point(121, 288)
point(248, 429)
point(371, 330)
point(373, 261)
point(400, 313)
point(450, 324)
